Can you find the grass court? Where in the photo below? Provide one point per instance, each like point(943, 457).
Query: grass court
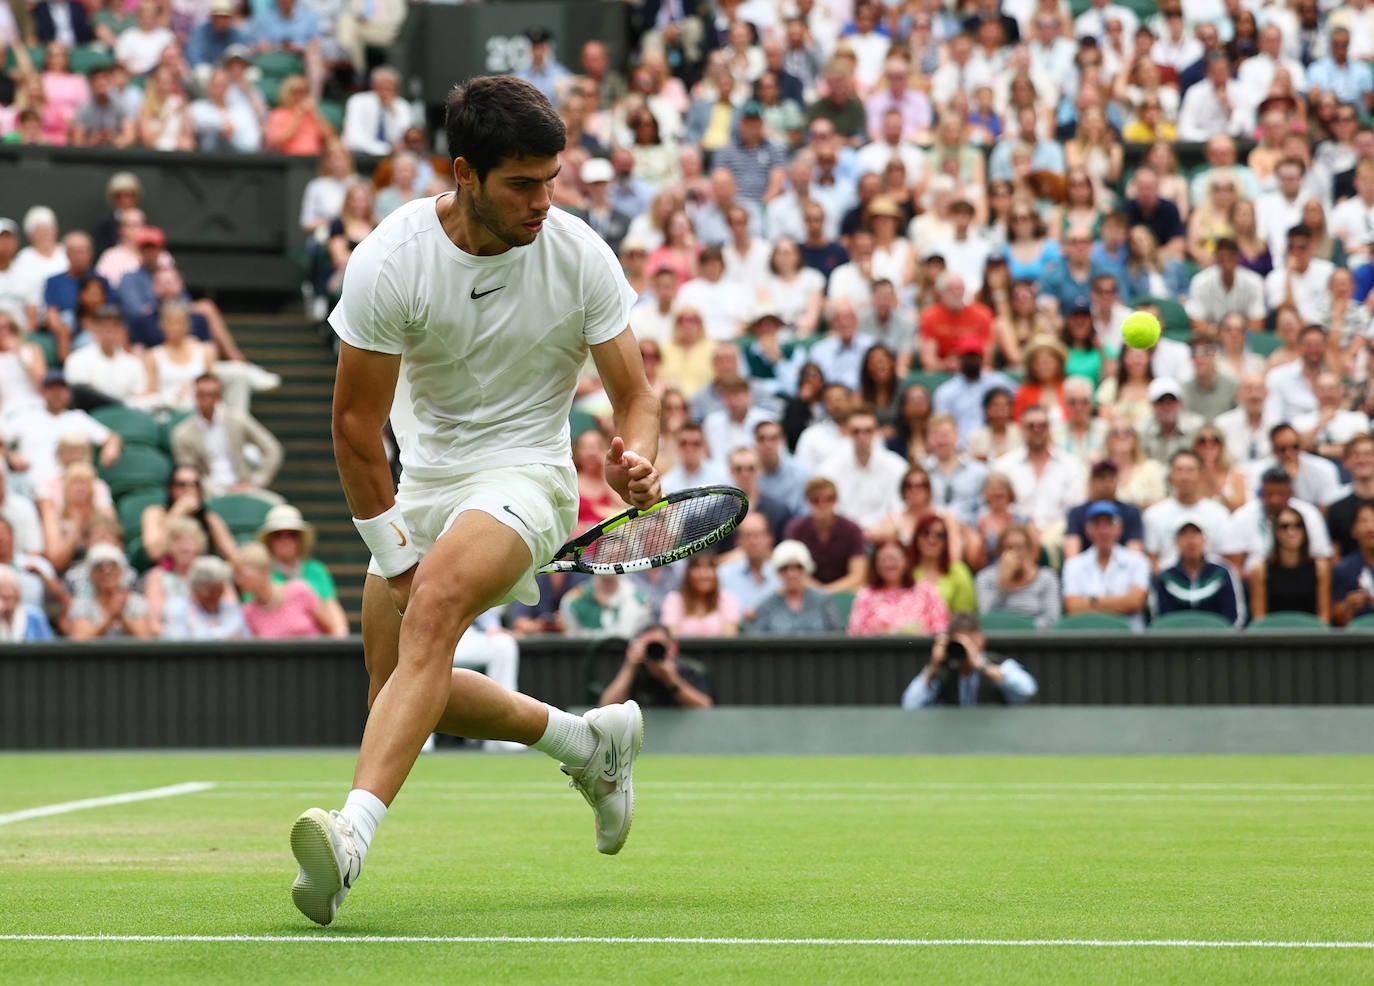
point(792, 871)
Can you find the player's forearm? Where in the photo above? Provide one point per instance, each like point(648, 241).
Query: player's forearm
point(364, 470)
point(637, 423)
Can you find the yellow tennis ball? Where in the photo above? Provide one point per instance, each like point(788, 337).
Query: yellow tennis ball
point(1140, 330)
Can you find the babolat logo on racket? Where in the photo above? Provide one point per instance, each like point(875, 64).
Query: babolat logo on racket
point(668, 557)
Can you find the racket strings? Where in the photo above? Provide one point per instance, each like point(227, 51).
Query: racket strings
point(669, 527)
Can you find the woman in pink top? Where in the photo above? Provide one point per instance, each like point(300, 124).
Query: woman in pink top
point(278, 610)
point(701, 608)
point(894, 602)
point(67, 91)
point(296, 126)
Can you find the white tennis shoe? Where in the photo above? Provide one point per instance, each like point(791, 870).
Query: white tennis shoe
point(607, 782)
point(322, 842)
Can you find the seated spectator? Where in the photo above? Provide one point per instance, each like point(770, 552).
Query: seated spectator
point(290, 540)
point(1249, 535)
point(747, 574)
point(1141, 479)
point(963, 396)
point(225, 471)
point(296, 126)
point(781, 476)
point(170, 579)
point(403, 186)
point(20, 622)
point(724, 305)
point(139, 47)
point(376, 120)
point(1186, 502)
point(39, 584)
point(1358, 459)
point(1326, 430)
point(44, 257)
point(998, 512)
point(604, 606)
point(1221, 481)
point(1315, 479)
point(1302, 280)
point(110, 609)
point(1107, 577)
point(796, 607)
point(1047, 482)
point(103, 120)
point(1194, 582)
point(212, 37)
point(917, 503)
point(35, 432)
point(1289, 579)
point(22, 368)
point(279, 610)
point(744, 475)
point(932, 560)
point(16, 297)
point(694, 467)
point(826, 437)
point(185, 501)
point(61, 292)
point(968, 674)
point(1045, 362)
point(1082, 434)
point(865, 472)
point(880, 387)
point(323, 199)
point(700, 607)
point(106, 365)
point(221, 124)
point(1170, 429)
point(172, 367)
point(66, 524)
point(1224, 288)
point(893, 601)
point(1102, 486)
point(836, 545)
point(687, 354)
point(947, 321)
point(1017, 583)
point(655, 674)
point(1210, 393)
point(998, 435)
point(206, 611)
point(1128, 392)
point(1352, 579)
point(164, 119)
point(957, 479)
point(731, 426)
point(795, 290)
point(357, 218)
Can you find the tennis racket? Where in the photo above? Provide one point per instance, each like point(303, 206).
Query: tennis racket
point(679, 525)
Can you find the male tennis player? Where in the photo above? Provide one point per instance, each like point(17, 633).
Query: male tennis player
point(467, 319)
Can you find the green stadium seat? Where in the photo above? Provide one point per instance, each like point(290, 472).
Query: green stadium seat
point(926, 379)
point(243, 514)
point(1001, 619)
point(1262, 343)
point(140, 467)
point(133, 550)
point(333, 112)
point(578, 422)
point(1288, 621)
point(1172, 315)
point(844, 602)
point(269, 87)
point(130, 424)
point(1361, 624)
point(87, 58)
point(279, 64)
point(132, 505)
point(45, 342)
point(1191, 619)
point(1093, 622)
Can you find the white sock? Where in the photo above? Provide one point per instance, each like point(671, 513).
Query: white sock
point(567, 738)
point(364, 811)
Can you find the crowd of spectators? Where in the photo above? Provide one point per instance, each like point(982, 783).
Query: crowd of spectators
point(883, 251)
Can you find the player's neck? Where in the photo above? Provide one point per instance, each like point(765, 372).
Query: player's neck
point(463, 227)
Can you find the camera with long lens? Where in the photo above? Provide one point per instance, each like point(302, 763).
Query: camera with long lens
point(956, 656)
point(655, 650)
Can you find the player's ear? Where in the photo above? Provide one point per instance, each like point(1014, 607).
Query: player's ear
point(463, 173)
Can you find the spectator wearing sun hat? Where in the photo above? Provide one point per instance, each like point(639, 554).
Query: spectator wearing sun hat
point(609, 222)
point(796, 608)
point(290, 540)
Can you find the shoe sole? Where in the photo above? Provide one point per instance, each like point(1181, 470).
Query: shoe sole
point(636, 744)
point(319, 881)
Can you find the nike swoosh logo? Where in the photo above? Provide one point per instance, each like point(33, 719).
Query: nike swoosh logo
point(351, 872)
point(400, 534)
point(475, 296)
point(612, 764)
point(507, 509)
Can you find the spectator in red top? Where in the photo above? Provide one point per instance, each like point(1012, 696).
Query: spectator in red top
point(894, 602)
point(943, 323)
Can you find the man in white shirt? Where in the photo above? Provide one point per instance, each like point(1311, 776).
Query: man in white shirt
point(866, 473)
point(1352, 222)
point(375, 121)
point(1107, 577)
point(16, 295)
point(890, 142)
point(1225, 287)
point(655, 319)
point(1186, 503)
point(1246, 427)
point(694, 466)
point(1250, 533)
point(724, 304)
point(37, 430)
point(960, 73)
point(1093, 21)
point(732, 426)
point(1052, 54)
point(826, 437)
point(1301, 280)
point(106, 366)
point(965, 253)
point(1292, 386)
point(26, 527)
point(1278, 211)
point(1315, 479)
point(1047, 482)
point(1216, 105)
point(1327, 429)
point(1256, 73)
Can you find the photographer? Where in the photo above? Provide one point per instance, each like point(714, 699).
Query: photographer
point(961, 672)
point(654, 674)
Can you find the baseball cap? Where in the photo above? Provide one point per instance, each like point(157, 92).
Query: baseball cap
point(1102, 508)
point(229, 7)
point(233, 52)
point(1078, 308)
point(54, 378)
point(9, 226)
point(150, 236)
point(596, 169)
point(1161, 387)
point(1189, 524)
point(106, 552)
point(751, 107)
point(968, 343)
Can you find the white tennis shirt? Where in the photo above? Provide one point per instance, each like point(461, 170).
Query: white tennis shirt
point(491, 347)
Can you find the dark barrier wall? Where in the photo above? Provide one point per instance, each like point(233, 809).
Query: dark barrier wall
point(136, 694)
point(441, 44)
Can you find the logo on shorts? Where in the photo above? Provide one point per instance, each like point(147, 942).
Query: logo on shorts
point(507, 509)
point(400, 534)
point(475, 296)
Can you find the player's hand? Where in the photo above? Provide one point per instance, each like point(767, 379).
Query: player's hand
point(632, 476)
point(400, 587)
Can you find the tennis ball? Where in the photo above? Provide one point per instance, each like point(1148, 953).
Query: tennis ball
point(1140, 330)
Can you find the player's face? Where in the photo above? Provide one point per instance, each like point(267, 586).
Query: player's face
point(513, 201)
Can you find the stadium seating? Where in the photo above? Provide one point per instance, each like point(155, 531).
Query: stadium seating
point(1093, 622)
point(1361, 624)
point(1001, 619)
point(133, 426)
point(1288, 621)
point(1191, 619)
point(132, 505)
point(1262, 343)
point(243, 514)
point(844, 602)
point(139, 467)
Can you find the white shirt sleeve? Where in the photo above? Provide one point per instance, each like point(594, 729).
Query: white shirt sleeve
point(371, 313)
point(608, 295)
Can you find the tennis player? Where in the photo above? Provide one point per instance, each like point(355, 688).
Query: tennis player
point(467, 319)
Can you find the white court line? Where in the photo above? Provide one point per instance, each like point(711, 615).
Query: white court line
point(63, 807)
point(502, 786)
point(322, 939)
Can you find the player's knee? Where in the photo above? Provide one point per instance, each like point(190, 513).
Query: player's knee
point(439, 611)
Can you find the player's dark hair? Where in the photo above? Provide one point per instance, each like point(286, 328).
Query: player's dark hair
point(494, 117)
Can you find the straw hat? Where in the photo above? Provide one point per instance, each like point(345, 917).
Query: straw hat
point(285, 517)
point(1045, 342)
point(884, 205)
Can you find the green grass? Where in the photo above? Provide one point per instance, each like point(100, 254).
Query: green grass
point(1215, 849)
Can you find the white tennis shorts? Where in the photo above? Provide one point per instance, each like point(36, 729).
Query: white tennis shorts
point(537, 501)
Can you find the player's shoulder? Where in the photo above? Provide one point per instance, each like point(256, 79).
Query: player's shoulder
point(573, 239)
point(401, 231)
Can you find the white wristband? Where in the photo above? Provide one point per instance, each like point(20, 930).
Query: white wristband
point(387, 537)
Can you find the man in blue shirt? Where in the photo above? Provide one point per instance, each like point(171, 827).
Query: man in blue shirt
point(962, 396)
point(1102, 482)
point(1350, 82)
point(285, 26)
point(756, 163)
point(840, 354)
point(61, 291)
point(544, 71)
point(962, 672)
point(208, 41)
point(1160, 215)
